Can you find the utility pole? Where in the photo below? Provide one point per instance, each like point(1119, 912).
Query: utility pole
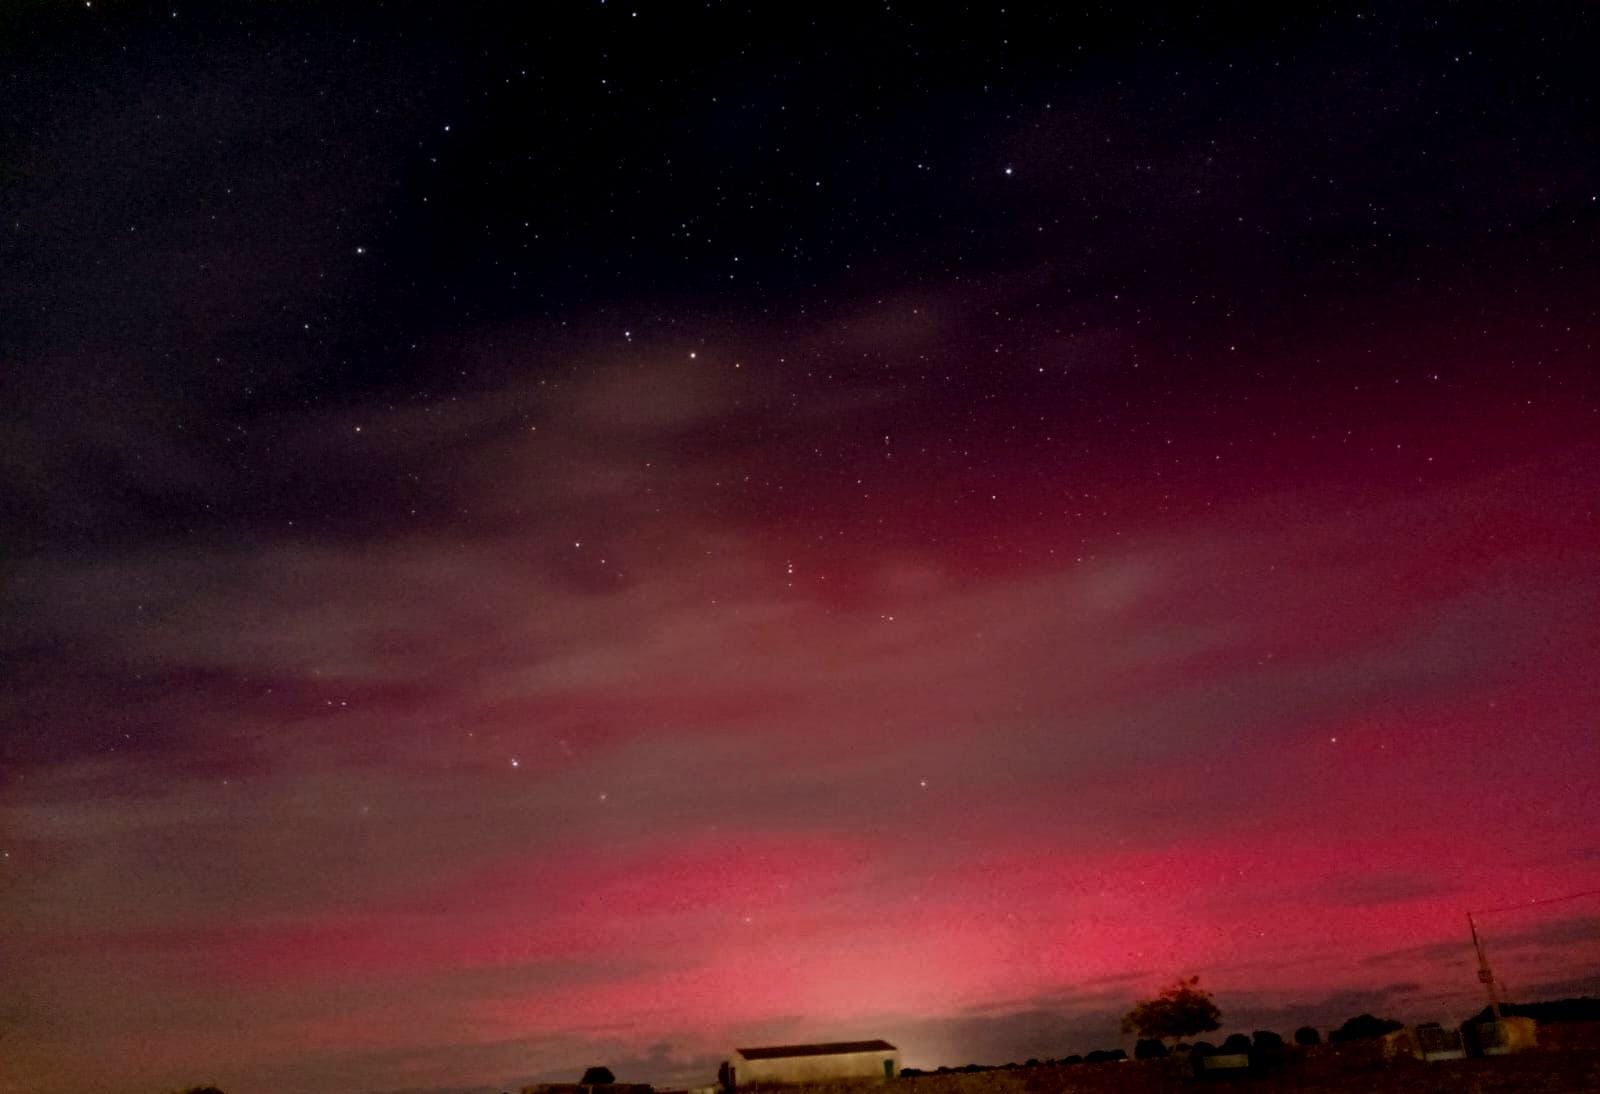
point(1485, 976)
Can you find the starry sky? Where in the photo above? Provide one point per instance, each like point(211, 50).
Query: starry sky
point(605, 533)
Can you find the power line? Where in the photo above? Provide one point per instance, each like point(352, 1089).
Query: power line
point(1485, 975)
point(1534, 903)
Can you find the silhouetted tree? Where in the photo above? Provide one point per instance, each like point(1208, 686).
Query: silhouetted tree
point(1149, 1048)
point(1307, 1035)
point(598, 1076)
point(1105, 1056)
point(1073, 1059)
point(1236, 1043)
point(1364, 1027)
point(1266, 1049)
point(1203, 1048)
point(1181, 1010)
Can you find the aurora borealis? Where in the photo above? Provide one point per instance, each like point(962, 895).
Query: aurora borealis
point(600, 535)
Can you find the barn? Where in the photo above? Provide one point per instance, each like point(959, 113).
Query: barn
point(811, 1063)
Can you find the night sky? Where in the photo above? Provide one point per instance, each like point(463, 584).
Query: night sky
point(601, 534)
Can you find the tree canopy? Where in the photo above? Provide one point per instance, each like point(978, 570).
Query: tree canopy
point(1149, 1048)
point(1181, 1010)
point(1363, 1027)
point(598, 1076)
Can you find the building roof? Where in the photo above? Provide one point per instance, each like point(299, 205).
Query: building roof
point(837, 1048)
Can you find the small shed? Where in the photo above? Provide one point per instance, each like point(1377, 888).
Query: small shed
point(1438, 1042)
point(1510, 1034)
point(774, 1064)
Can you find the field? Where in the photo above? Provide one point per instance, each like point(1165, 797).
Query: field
point(1567, 1063)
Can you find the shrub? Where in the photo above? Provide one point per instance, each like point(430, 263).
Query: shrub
point(1149, 1048)
point(1307, 1035)
point(1364, 1027)
point(1236, 1043)
point(1264, 1040)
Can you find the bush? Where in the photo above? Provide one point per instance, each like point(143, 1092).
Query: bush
point(1264, 1040)
point(1266, 1049)
point(1363, 1027)
point(598, 1076)
point(1236, 1043)
point(1307, 1035)
point(1149, 1048)
point(1203, 1048)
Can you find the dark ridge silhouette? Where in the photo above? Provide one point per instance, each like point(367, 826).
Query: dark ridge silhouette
point(1582, 1009)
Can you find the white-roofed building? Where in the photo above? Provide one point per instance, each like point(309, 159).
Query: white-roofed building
point(811, 1063)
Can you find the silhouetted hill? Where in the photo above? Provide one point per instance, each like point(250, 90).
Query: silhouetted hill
point(1582, 1009)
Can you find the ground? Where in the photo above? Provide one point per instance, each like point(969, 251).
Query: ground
point(1568, 1062)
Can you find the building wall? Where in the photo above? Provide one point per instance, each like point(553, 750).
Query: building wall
point(810, 1069)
